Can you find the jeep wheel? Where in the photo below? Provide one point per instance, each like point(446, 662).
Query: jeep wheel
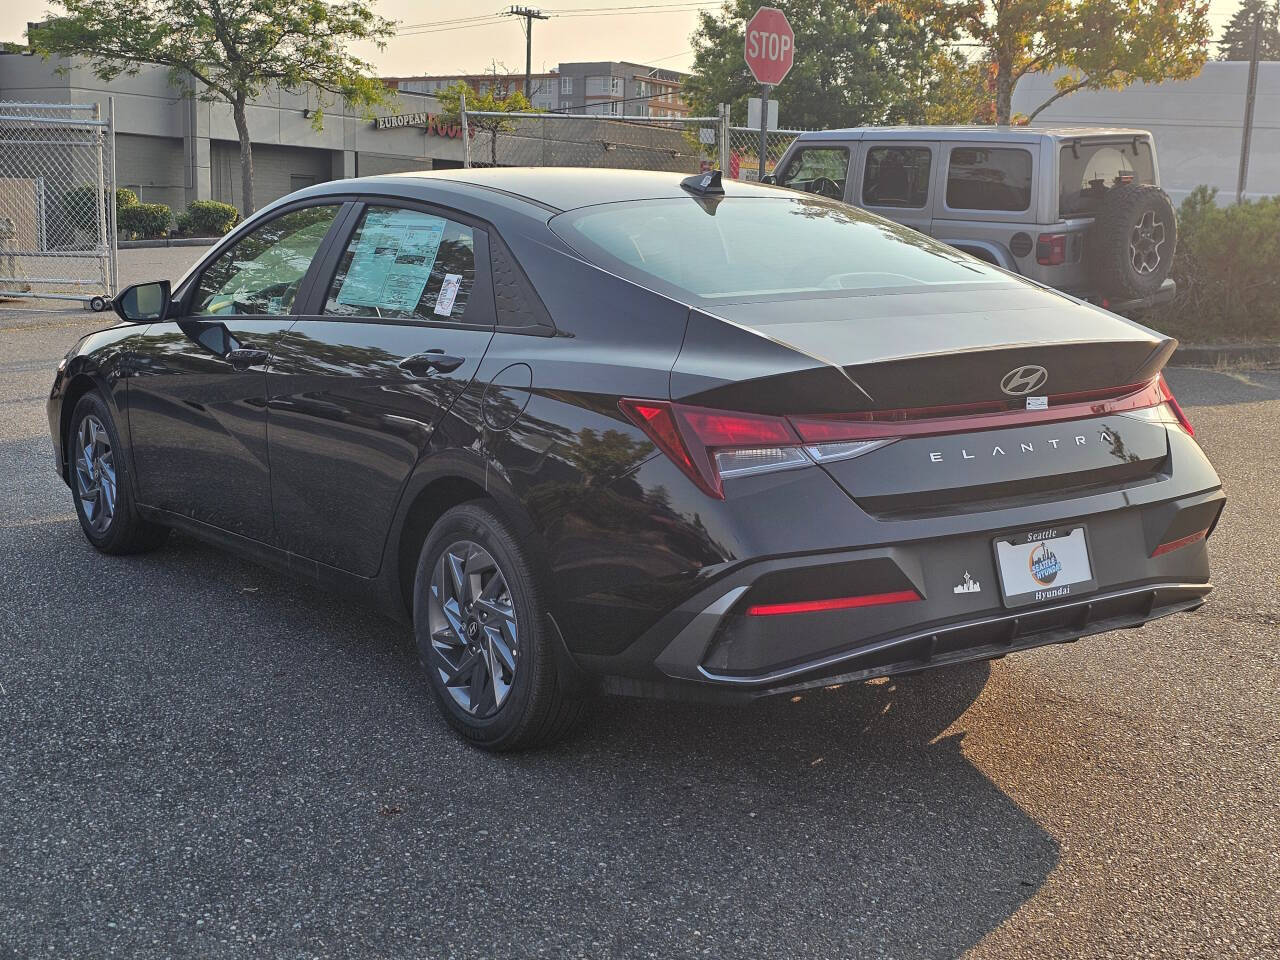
point(1131, 242)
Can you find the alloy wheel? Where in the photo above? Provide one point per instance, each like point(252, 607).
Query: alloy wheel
point(473, 624)
point(1145, 240)
point(95, 474)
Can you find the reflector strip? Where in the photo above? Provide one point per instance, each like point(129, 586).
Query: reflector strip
point(835, 603)
point(1173, 545)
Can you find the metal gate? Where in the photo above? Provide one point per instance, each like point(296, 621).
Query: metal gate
point(57, 202)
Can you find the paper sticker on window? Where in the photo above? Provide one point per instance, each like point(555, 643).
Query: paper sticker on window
point(392, 260)
point(448, 293)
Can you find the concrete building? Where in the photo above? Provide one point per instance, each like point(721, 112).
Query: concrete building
point(1197, 124)
point(173, 149)
point(543, 86)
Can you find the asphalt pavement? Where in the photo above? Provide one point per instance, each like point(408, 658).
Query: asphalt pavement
point(199, 758)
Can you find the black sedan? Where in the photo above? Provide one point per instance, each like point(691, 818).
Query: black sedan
point(595, 430)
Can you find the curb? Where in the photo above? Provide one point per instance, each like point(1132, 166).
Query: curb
point(169, 242)
point(1193, 355)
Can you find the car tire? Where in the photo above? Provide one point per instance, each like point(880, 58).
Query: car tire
point(1132, 242)
point(484, 636)
point(101, 485)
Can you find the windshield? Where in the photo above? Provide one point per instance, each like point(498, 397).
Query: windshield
point(735, 248)
point(1091, 170)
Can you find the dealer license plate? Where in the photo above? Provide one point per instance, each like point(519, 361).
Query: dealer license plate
point(1043, 565)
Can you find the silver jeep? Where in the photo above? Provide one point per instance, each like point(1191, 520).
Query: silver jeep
point(1075, 208)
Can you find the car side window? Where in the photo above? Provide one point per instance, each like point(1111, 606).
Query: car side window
point(897, 177)
point(821, 170)
point(405, 265)
point(260, 274)
point(989, 178)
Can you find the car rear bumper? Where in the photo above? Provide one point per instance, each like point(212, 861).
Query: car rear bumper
point(712, 648)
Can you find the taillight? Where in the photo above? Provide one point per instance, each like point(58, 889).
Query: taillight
point(708, 445)
point(1051, 249)
point(1167, 395)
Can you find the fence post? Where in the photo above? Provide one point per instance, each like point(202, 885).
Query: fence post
point(724, 138)
point(113, 251)
point(466, 133)
point(104, 218)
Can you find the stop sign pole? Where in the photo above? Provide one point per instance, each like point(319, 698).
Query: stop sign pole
point(769, 48)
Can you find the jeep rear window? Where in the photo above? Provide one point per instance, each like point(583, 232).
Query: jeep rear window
point(989, 178)
point(1089, 171)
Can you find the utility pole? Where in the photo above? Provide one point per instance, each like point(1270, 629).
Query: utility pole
point(1250, 97)
point(529, 15)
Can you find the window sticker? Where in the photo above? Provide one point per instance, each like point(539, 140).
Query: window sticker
point(448, 293)
point(392, 261)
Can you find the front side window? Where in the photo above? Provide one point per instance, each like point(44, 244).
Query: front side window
point(1089, 171)
point(261, 273)
point(405, 265)
point(989, 178)
point(897, 177)
point(820, 170)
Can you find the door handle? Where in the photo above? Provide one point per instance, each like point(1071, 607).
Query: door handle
point(242, 358)
point(421, 364)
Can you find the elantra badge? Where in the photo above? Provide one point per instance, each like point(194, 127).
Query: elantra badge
point(1023, 380)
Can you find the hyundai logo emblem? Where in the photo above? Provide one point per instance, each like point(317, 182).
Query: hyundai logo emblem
point(1024, 380)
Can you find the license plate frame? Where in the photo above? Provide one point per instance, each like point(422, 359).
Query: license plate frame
point(1067, 549)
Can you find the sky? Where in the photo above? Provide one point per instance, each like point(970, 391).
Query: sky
point(466, 36)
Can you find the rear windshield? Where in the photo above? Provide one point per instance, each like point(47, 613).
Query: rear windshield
point(738, 248)
point(1090, 170)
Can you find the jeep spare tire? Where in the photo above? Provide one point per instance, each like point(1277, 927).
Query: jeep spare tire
point(1131, 242)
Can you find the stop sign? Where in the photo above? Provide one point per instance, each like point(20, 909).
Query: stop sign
point(770, 45)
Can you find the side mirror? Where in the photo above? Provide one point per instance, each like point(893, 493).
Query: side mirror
point(143, 302)
point(769, 178)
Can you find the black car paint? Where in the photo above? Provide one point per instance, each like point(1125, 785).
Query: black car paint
point(363, 455)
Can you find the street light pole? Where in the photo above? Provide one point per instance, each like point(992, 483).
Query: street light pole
point(529, 15)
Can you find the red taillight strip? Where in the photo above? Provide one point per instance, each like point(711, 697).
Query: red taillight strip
point(835, 603)
point(1181, 542)
point(932, 421)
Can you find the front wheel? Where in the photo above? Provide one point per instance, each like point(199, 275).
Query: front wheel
point(484, 635)
point(101, 484)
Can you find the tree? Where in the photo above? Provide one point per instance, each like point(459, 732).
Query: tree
point(1102, 44)
point(227, 50)
point(855, 62)
point(1237, 38)
point(962, 90)
point(489, 102)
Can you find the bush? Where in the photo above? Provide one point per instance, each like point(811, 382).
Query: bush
point(144, 221)
point(125, 198)
point(207, 218)
point(1227, 267)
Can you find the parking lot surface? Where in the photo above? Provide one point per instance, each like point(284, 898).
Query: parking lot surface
point(200, 758)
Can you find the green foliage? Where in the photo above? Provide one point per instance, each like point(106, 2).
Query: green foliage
point(143, 221)
point(125, 198)
point(1237, 38)
point(207, 218)
point(855, 63)
point(1102, 44)
point(228, 52)
point(1225, 268)
point(515, 102)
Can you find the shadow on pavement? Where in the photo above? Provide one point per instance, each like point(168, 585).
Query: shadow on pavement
point(215, 743)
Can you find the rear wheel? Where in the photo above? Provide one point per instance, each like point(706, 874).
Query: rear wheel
point(484, 636)
point(101, 484)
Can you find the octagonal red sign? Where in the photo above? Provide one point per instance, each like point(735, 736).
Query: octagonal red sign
point(770, 46)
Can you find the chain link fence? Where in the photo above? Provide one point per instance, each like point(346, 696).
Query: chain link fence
point(676, 144)
point(680, 145)
point(743, 162)
point(57, 210)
